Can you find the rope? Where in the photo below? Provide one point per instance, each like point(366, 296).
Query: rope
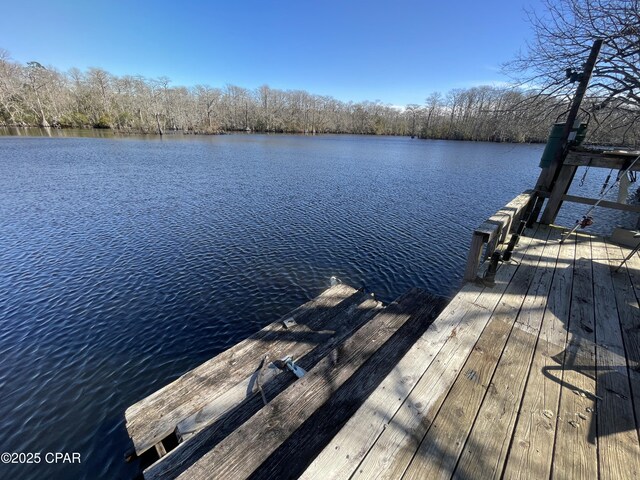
point(259, 379)
point(602, 195)
point(584, 177)
point(606, 182)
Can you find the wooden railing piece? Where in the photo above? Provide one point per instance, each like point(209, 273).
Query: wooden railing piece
point(494, 231)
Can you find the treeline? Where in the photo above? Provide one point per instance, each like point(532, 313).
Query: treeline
point(34, 95)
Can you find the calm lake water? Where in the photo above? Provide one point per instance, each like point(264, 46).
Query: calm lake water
point(125, 262)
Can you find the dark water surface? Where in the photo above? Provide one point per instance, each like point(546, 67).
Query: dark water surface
point(126, 262)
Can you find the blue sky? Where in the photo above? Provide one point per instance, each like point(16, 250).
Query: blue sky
point(393, 51)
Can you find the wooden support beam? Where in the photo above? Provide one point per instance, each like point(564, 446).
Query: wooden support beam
point(604, 203)
point(603, 160)
point(592, 201)
point(160, 450)
point(484, 234)
point(560, 188)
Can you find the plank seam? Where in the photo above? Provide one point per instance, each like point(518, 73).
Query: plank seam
point(475, 418)
point(622, 334)
point(524, 389)
point(461, 372)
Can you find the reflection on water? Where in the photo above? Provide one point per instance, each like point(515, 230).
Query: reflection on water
point(56, 132)
point(127, 261)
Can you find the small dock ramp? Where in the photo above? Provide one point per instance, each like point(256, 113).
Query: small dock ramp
point(278, 397)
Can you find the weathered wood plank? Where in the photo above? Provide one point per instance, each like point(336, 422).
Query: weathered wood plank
point(351, 320)
point(272, 425)
point(602, 203)
point(443, 443)
point(627, 300)
point(618, 448)
point(216, 429)
point(290, 460)
point(494, 231)
point(434, 360)
point(508, 216)
point(575, 448)
point(599, 160)
point(394, 449)
point(560, 188)
point(487, 445)
point(531, 452)
point(633, 269)
point(155, 417)
point(348, 447)
point(503, 220)
point(474, 256)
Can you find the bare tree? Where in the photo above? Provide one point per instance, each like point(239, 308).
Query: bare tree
point(10, 95)
point(34, 95)
point(563, 35)
point(37, 79)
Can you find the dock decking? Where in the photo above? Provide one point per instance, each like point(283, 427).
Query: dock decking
point(534, 377)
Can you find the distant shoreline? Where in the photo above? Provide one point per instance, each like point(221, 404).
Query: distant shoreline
point(15, 130)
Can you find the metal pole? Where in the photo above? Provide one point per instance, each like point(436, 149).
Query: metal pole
point(548, 175)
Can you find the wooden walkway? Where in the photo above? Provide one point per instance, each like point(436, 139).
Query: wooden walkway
point(535, 377)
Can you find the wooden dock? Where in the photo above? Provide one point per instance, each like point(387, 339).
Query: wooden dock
point(345, 342)
point(532, 370)
point(535, 376)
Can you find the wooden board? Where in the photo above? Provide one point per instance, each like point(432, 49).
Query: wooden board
point(445, 439)
point(602, 203)
point(629, 314)
point(218, 428)
point(487, 445)
point(627, 302)
point(352, 319)
point(494, 231)
point(561, 186)
point(575, 448)
point(531, 450)
point(600, 160)
point(272, 425)
point(434, 360)
point(393, 451)
point(294, 456)
point(618, 447)
point(630, 320)
point(507, 217)
point(474, 256)
point(155, 417)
